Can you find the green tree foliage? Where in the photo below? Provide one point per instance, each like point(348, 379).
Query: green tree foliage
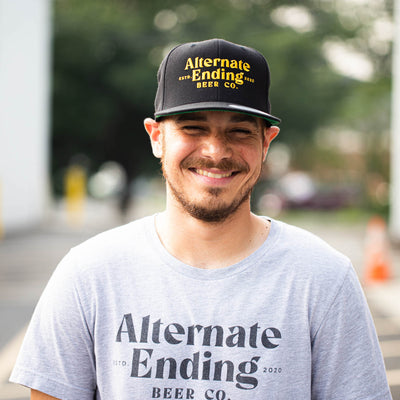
point(106, 54)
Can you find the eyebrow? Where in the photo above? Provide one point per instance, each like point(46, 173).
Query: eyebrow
point(195, 116)
point(244, 118)
point(198, 116)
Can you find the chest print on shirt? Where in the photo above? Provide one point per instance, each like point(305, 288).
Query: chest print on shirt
point(153, 337)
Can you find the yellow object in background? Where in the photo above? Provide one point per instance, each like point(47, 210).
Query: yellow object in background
point(75, 194)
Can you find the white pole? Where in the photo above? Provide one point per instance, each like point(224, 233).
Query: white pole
point(25, 34)
point(394, 219)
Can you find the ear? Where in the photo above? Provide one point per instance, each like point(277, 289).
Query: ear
point(269, 135)
point(155, 134)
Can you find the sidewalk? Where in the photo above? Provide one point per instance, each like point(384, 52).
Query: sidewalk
point(27, 261)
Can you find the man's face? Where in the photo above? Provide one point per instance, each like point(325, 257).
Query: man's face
point(211, 160)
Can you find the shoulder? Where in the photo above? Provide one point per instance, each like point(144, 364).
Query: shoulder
point(119, 236)
point(308, 254)
point(110, 248)
point(299, 241)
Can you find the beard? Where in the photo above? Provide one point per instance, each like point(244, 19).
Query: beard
point(213, 209)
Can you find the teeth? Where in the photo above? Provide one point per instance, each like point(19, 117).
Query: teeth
point(212, 175)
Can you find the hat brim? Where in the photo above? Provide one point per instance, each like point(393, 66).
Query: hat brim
point(217, 106)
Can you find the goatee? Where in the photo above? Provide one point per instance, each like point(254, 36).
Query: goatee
point(212, 210)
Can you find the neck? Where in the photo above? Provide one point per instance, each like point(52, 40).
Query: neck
point(211, 245)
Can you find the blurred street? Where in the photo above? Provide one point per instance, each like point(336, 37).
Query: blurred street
point(28, 259)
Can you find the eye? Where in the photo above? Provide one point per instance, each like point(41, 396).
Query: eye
point(243, 133)
point(193, 129)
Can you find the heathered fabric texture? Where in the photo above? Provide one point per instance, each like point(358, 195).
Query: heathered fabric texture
point(121, 318)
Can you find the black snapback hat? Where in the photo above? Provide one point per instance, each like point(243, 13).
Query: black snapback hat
point(214, 75)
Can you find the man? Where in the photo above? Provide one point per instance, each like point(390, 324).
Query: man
point(205, 300)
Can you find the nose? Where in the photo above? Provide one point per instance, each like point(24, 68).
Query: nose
point(216, 147)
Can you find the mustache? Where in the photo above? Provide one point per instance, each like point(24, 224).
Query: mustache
point(223, 165)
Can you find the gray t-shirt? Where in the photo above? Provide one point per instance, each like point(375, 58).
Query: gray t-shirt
point(121, 318)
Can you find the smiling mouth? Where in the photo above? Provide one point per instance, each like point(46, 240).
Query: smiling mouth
point(213, 174)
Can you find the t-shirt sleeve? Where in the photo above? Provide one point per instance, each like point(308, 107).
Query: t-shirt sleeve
point(346, 359)
point(57, 356)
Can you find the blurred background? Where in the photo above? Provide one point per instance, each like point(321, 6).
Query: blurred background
point(78, 77)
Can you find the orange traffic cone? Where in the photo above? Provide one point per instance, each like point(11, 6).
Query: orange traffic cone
point(377, 263)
